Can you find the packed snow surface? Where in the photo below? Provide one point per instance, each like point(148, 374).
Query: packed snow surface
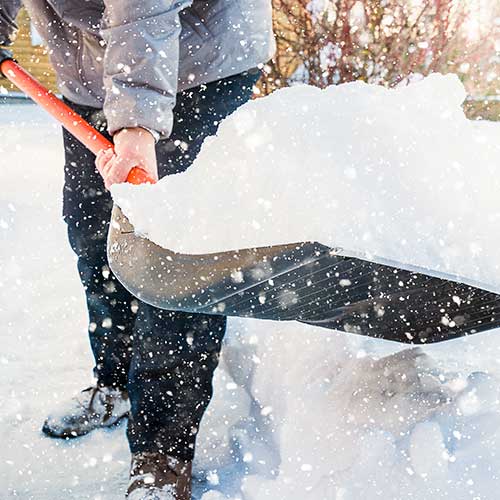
point(298, 412)
point(392, 175)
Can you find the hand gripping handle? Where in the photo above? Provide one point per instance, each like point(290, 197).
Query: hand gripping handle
point(70, 120)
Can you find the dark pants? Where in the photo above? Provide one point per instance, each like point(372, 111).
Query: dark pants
point(165, 359)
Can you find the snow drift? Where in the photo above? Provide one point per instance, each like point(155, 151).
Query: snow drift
point(390, 175)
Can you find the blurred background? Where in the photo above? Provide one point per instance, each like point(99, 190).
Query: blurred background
point(325, 42)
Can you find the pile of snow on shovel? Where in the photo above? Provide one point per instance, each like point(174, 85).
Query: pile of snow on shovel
point(387, 174)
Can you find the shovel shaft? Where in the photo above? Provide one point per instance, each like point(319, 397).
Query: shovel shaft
point(70, 120)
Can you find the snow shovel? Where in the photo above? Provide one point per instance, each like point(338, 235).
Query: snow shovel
point(306, 281)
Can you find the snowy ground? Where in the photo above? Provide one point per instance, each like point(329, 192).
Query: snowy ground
point(298, 412)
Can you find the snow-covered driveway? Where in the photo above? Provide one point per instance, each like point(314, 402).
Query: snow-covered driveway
point(298, 412)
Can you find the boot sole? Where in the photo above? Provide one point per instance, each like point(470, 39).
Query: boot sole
point(73, 435)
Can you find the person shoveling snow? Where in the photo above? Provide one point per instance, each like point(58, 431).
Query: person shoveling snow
point(143, 71)
point(162, 430)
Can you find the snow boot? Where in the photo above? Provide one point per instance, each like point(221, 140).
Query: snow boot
point(93, 408)
point(154, 476)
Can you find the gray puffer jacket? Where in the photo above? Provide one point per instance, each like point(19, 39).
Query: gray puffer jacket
point(131, 57)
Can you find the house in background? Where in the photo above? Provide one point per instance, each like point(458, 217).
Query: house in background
point(30, 53)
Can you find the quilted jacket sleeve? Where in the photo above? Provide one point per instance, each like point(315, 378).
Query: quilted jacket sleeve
point(141, 62)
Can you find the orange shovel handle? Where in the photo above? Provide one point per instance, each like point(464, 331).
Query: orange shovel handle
point(70, 120)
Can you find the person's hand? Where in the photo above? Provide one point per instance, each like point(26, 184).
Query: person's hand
point(134, 147)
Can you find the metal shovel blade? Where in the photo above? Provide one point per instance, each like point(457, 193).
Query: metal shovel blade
point(308, 282)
